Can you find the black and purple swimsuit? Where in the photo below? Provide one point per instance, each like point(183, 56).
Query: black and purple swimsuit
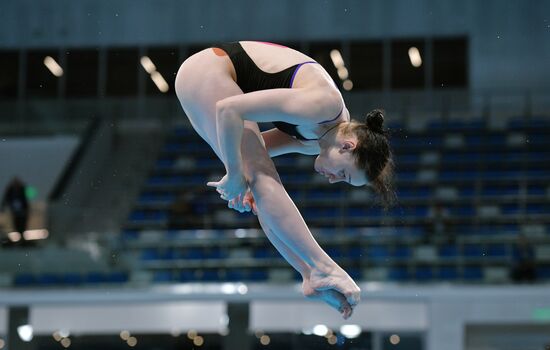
point(251, 78)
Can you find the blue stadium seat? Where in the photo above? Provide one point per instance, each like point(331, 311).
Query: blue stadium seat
point(324, 194)
point(455, 125)
point(295, 178)
point(130, 235)
point(409, 159)
point(148, 254)
point(418, 192)
point(149, 215)
point(183, 131)
point(48, 279)
point(424, 273)
point(467, 191)
point(162, 276)
point(263, 253)
point(508, 229)
point(364, 212)
point(402, 251)
point(355, 273)
point(497, 250)
point(473, 273)
point(355, 252)
point(461, 157)
point(158, 196)
point(117, 277)
point(453, 175)
point(534, 123)
point(395, 125)
point(473, 251)
point(537, 208)
point(236, 275)
point(410, 231)
point(193, 254)
point(72, 278)
point(378, 252)
point(258, 275)
point(536, 190)
point(510, 209)
point(164, 163)
point(172, 147)
point(336, 252)
point(399, 273)
point(169, 254)
point(24, 280)
point(95, 277)
point(493, 140)
point(406, 175)
point(537, 174)
point(448, 251)
point(215, 253)
point(506, 190)
point(186, 276)
point(209, 276)
point(285, 160)
point(447, 273)
point(543, 272)
point(322, 213)
point(202, 163)
point(462, 210)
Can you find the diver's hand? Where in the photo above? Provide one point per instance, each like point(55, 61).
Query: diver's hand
point(230, 186)
point(244, 204)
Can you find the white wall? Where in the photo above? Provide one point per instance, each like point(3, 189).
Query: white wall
point(3, 322)
point(136, 318)
point(38, 161)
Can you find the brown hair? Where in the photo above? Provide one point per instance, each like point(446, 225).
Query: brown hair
point(373, 154)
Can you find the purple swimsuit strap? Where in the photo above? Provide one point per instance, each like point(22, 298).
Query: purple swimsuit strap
point(292, 81)
point(296, 71)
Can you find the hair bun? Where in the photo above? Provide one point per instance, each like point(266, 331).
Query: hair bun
point(375, 121)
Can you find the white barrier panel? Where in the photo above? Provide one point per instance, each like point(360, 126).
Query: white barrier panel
point(3, 321)
point(145, 318)
point(287, 316)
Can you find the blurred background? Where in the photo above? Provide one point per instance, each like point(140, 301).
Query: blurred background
point(111, 240)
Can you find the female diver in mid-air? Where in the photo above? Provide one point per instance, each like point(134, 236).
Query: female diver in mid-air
point(227, 89)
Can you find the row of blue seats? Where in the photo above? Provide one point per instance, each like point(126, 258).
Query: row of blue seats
point(212, 275)
point(394, 231)
point(416, 192)
point(418, 211)
point(375, 252)
point(451, 273)
point(405, 176)
point(510, 229)
point(68, 279)
point(396, 273)
point(151, 254)
point(447, 159)
point(422, 210)
point(408, 142)
point(472, 124)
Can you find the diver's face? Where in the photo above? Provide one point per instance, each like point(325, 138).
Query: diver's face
point(337, 164)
